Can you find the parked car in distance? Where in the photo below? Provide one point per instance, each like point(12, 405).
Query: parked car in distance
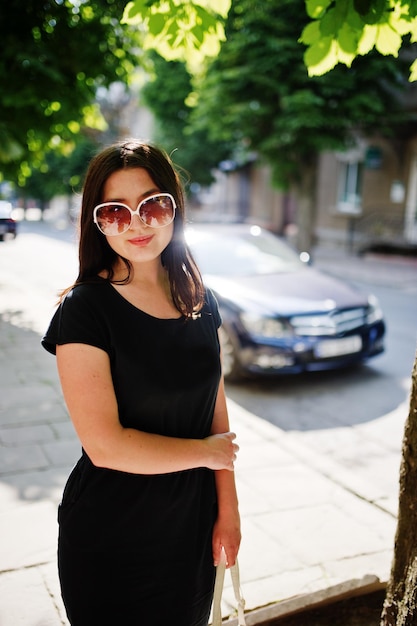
point(8, 226)
point(280, 315)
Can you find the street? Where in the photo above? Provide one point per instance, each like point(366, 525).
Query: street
point(352, 418)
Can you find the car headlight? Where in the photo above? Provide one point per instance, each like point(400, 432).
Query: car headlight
point(374, 313)
point(269, 327)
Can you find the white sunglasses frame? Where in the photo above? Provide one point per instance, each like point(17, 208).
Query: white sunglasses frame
point(136, 212)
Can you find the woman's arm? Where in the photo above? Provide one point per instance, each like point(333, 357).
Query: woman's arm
point(89, 394)
point(226, 531)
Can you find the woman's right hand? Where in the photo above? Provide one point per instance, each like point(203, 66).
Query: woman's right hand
point(222, 451)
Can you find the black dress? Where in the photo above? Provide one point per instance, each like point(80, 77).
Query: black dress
point(135, 550)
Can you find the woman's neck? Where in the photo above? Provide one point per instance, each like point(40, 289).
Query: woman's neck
point(149, 275)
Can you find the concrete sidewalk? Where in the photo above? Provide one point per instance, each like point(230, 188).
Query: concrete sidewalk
point(307, 529)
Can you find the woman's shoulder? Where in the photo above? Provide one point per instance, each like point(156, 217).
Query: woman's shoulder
point(211, 306)
point(94, 287)
point(95, 298)
point(210, 300)
point(83, 316)
point(91, 294)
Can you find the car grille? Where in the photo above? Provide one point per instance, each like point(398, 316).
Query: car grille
point(333, 323)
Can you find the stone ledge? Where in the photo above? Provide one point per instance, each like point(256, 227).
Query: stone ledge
point(301, 603)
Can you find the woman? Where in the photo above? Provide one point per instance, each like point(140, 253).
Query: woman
point(152, 500)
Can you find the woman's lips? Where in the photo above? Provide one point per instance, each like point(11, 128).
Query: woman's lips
point(141, 241)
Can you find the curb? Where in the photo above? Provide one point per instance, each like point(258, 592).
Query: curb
point(306, 602)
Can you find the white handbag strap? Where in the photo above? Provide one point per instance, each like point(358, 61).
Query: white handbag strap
point(218, 589)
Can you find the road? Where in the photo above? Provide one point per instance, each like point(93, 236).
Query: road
point(352, 419)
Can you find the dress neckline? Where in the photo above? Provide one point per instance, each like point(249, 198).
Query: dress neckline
point(130, 304)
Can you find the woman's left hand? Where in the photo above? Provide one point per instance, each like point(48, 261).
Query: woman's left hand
point(226, 534)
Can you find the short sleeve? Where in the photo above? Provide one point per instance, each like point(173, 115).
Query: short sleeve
point(79, 319)
point(213, 307)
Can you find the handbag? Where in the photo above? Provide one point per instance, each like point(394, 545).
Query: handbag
point(218, 589)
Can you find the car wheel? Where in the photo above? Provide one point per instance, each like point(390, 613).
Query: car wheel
point(230, 363)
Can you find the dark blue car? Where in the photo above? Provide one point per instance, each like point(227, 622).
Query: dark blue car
point(279, 314)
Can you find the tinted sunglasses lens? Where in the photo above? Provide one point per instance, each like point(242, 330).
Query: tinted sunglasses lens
point(157, 211)
point(113, 219)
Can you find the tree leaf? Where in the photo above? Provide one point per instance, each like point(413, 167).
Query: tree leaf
point(377, 9)
point(388, 41)
point(348, 40)
point(199, 34)
point(413, 71)
point(321, 57)
point(344, 56)
point(354, 20)
point(402, 22)
point(135, 12)
point(368, 39)
point(179, 30)
point(317, 8)
point(330, 23)
point(218, 7)
point(156, 23)
point(362, 6)
point(311, 33)
point(412, 8)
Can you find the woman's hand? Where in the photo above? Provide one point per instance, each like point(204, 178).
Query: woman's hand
point(226, 534)
point(222, 451)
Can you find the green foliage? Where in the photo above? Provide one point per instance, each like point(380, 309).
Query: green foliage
point(340, 30)
point(258, 96)
point(55, 54)
point(166, 95)
point(59, 174)
point(343, 29)
point(177, 30)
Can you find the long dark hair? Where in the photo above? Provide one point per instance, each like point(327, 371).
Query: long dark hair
point(95, 254)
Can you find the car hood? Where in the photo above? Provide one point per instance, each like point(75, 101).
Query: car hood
point(302, 291)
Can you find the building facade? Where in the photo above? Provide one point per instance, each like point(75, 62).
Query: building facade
point(366, 196)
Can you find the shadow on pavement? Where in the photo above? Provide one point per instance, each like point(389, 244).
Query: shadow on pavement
point(38, 445)
point(319, 400)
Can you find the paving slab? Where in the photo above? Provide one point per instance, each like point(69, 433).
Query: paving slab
point(29, 535)
point(27, 599)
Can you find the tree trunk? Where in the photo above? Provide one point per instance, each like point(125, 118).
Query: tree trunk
point(400, 606)
point(305, 192)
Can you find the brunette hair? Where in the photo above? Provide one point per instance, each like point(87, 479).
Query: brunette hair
point(95, 254)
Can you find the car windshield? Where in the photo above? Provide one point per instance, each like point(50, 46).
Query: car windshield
point(245, 253)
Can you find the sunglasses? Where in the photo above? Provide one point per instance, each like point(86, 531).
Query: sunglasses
point(115, 218)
